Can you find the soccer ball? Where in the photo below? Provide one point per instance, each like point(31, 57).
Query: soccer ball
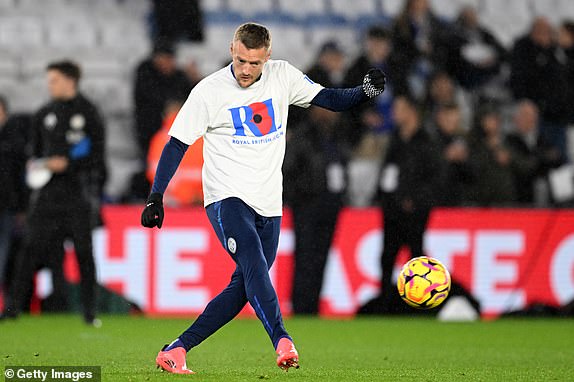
point(423, 282)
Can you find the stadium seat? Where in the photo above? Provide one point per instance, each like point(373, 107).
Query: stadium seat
point(346, 36)
point(121, 151)
point(217, 40)
point(300, 9)
point(120, 141)
point(72, 33)
point(448, 10)
point(7, 84)
point(111, 94)
point(9, 66)
point(20, 32)
point(391, 8)
point(291, 43)
point(214, 6)
point(28, 96)
point(555, 10)
point(566, 9)
point(507, 20)
point(7, 4)
point(32, 5)
point(102, 64)
point(248, 9)
point(355, 9)
point(125, 36)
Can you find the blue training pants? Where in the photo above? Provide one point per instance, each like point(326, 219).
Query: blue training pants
point(251, 240)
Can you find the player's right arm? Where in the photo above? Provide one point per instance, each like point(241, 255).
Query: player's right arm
point(169, 161)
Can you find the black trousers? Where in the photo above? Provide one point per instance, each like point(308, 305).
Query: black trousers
point(401, 228)
point(314, 223)
point(43, 246)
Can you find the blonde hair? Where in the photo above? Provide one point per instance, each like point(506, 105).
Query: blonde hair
point(253, 36)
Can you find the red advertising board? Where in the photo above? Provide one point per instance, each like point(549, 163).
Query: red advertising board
point(507, 258)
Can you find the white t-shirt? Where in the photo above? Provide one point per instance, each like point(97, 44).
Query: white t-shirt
point(244, 132)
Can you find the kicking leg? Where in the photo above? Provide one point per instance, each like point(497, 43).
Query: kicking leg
point(222, 309)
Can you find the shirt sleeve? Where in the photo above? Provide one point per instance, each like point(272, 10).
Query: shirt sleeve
point(302, 89)
point(192, 119)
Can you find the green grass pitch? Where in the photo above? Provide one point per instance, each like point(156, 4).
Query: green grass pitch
point(364, 349)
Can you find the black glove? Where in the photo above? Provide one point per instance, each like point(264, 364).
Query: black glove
point(152, 215)
point(374, 82)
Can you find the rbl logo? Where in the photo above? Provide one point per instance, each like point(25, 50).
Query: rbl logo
point(258, 118)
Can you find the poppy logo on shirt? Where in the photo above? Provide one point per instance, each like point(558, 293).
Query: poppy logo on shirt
point(258, 118)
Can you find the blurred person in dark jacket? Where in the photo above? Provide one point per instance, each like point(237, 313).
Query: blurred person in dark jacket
point(539, 73)
point(13, 133)
point(176, 20)
point(456, 174)
point(442, 89)
point(158, 80)
point(68, 179)
point(409, 181)
point(329, 67)
point(372, 120)
point(476, 55)
point(314, 173)
point(532, 155)
point(327, 70)
point(566, 44)
point(491, 161)
point(421, 45)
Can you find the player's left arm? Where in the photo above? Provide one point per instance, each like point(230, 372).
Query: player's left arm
point(345, 99)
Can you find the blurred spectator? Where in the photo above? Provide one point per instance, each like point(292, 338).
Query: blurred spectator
point(476, 54)
point(193, 73)
point(185, 186)
point(443, 90)
point(176, 20)
point(456, 174)
point(327, 70)
point(421, 45)
point(372, 120)
point(7, 178)
point(314, 173)
point(491, 161)
point(532, 155)
point(538, 75)
point(409, 180)
point(329, 67)
point(566, 43)
point(12, 164)
point(68, 179)
point(157, 80)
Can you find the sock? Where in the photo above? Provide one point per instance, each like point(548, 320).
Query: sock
point(175, 344)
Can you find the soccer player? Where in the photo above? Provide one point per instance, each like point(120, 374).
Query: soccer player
point(241, 113)
point(70, 139)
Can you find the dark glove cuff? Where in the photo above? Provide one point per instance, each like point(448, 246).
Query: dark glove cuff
point(155, 198)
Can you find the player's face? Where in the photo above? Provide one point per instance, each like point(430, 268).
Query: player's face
point(60, 86)
point(248, 63)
